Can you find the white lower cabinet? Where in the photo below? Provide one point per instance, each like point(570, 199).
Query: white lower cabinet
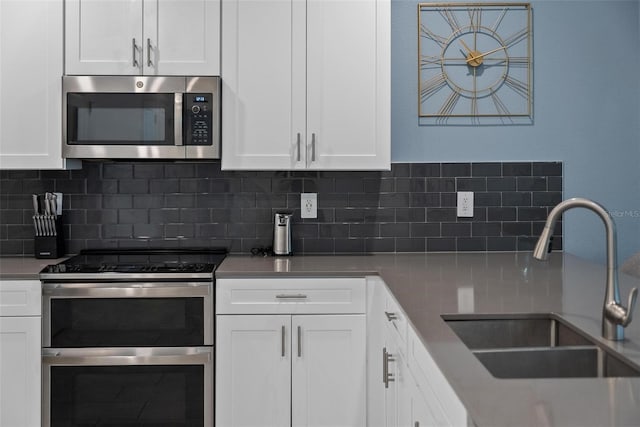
point(20, 344)
point(282, 370)
point(291, 352)
point(404, 380)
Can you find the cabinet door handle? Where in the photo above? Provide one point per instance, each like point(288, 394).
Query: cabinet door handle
point(134, 48)
point(291, 296)
point(313, 147)
point(299, 341)
point(386, 376)
point(416, 424)
point(298, 144)
point(282, 334)
point(149, 53)
point(391, 316)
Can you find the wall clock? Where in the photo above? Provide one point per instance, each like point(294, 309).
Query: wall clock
point(474, 60)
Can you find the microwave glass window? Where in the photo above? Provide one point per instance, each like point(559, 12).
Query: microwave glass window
point(120, 119)
point(121, 124)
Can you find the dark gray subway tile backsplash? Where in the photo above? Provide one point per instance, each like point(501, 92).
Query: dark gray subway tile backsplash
point(411, 208)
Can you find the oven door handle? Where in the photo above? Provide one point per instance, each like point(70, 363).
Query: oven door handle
point(127, 356)
point(129, 290)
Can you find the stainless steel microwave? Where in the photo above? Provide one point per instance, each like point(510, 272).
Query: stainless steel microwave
point(141, 117)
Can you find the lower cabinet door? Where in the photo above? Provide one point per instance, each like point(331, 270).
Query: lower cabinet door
point(421, 414)
point(253, 371)
point(328, 371)
point(20, 371)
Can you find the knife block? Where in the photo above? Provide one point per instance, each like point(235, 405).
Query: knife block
point(49, 247)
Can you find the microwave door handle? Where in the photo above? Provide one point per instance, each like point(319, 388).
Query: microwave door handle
point(177, 118)
point(127, 356)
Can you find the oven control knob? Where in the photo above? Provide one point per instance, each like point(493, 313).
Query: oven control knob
point(195, 109)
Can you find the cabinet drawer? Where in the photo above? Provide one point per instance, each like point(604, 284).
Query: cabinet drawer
point(395, 317)
point(290, 295)
point(20, 298)
point(433, 385)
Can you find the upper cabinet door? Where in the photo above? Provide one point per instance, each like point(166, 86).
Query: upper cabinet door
point(30, 84)
point(263, 84)
point(181, 37)
point(103, 37)
point(348, 86)
point(143, 37)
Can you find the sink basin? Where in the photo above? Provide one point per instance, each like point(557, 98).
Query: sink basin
point(539, 331)
point(537, 346)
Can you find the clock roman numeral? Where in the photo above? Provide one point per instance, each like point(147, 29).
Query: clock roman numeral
point(451, 19)
point(449, 104)
point(500, 107)
point(498, 20)
point(520, 87)
point(426, 61)
point(475, 19)
point(517, 37)
point(428, 34)
point(519, 61)
point(431, 86)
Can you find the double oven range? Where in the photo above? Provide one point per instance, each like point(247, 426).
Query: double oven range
point(128, 338)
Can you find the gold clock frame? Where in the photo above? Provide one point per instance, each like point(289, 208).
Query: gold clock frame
point(474, 59)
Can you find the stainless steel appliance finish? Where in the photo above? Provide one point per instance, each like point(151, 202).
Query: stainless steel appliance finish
point(141, 117)
point(282, 234)
point(615, 316)
point(131, 333)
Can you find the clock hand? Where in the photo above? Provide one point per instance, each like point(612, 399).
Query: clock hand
point(465, 46)
point(482, 55)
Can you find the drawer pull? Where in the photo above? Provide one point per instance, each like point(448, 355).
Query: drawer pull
point(391, 316)
point(387, 377)
point(299, 341)
point(291, 296)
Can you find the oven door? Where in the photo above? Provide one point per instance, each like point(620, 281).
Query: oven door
point(140, 314)
point(123, 117)
point(128, 386)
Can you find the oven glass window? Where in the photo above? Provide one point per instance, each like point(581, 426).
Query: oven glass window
point(120, 119)
point(127, 396)
point(127, 322)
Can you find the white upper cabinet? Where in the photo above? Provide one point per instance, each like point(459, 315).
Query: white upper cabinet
point(142, 37)
point(31, 39)
point(306, 84)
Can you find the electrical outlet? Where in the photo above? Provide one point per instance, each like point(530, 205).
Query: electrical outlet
point(309, 205)
point(465, 204)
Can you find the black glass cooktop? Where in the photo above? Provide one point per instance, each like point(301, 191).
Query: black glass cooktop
point(96, 261)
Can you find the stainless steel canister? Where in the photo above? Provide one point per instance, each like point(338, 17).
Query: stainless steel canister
point(282, 234)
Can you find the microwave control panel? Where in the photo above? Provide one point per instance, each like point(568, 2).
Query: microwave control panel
point(198, 118)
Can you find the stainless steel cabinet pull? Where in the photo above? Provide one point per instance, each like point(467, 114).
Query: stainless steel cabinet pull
point(298, 143)
point(149, 53)
point(135, 48)
point(299, 341)
point(391, 316)
point(313, 147)
point(386, 376)
point(283, 345)
point(291, 296)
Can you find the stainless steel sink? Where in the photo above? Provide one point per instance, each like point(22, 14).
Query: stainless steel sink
point(537, 346)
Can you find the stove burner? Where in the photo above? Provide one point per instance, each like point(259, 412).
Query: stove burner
point(141, 261)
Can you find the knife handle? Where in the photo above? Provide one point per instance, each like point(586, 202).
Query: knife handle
point(34, 199)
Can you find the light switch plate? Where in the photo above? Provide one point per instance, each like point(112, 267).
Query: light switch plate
point(309, 205)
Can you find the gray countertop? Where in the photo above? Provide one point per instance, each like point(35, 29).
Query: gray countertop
point(429, 285)
point(22, 268)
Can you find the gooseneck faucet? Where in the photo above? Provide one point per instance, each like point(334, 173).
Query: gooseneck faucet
point(615, 317)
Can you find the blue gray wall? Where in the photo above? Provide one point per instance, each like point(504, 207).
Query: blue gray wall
point(586, 91)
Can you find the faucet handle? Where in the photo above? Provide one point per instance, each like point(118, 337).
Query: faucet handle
point(631, 307)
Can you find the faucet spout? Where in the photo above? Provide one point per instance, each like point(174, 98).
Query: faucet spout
point(615, 317)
